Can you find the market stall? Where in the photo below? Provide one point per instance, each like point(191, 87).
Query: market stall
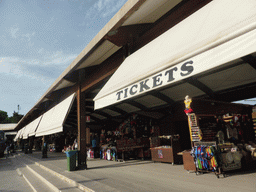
point(130, 140)
point(220, 142)
point(167, 151)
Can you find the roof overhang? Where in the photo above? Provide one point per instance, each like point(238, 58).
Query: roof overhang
point(8, 126)
point(212, 58)
point(133, 18)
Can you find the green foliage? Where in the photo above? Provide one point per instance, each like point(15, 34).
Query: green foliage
point(4, 117)
point(16, 117)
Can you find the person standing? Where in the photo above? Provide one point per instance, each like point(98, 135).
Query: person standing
point(94, 146)
point(8, 150)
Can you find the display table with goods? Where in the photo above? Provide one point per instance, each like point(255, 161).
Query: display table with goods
point(140, 147)
point(167, 153)
point(108, 153)
point(133, 139)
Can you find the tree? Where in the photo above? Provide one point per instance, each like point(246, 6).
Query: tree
point(16, 117)
point(3, 117)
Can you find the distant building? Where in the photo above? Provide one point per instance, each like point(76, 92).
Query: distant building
point(9, 130)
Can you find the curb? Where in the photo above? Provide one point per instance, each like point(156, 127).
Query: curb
point(78, 185)
point(66, 179)
point(43, 179)
point(22, 175)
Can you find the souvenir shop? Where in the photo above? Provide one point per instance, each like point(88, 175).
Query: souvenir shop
point(59, 142)
point(129, 139)
point(208, 136)
point(222, 137)
point(212, 61)
point(137, 137)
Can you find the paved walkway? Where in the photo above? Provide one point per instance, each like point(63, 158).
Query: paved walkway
point(136, 175)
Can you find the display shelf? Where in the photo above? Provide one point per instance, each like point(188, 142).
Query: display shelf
point(168, 153)
point(254, 124)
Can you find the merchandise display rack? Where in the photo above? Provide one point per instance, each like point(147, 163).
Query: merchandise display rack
point(218, 170)
point(221, 139)
point(254, 122)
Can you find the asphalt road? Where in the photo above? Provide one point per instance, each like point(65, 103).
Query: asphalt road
point(10, 180)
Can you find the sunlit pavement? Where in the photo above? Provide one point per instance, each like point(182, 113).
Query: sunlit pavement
point(137, 175)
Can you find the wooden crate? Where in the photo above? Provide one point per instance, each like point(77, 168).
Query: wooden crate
point(188, 161)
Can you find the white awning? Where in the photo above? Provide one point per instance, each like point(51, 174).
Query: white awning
point(53, 120)
point(11, 133)
point(31, 128)
point(25, 133)
point(15, 138)
point(209, 38)
point(8, 126)
point(19, 134)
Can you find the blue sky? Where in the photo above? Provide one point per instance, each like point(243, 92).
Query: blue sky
point(39, 39)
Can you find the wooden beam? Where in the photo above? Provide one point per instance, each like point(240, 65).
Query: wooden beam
point(250, 60)
point(136, 104)
point(173, 17)
point(100, 113)
point(62, 93)
point(95, 119)
point(237, 93)
point(70, 123)
point(116, 109)
point(162, 97)
point(74, 120)
point(72, 76)
point(126, 34)
point(103, 114)
point(193, 81)
point(106, 69)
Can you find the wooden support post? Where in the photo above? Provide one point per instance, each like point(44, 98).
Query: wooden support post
point(81, 122)
point(44, 147)
point(42, 144)
point(30, 144)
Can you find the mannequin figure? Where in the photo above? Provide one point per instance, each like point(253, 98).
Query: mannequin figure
point(187, 102)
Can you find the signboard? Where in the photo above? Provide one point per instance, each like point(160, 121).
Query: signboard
point(88, 119)
point(160, 154)
point(114, 92)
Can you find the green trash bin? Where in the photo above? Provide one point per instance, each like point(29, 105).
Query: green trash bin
point(71, 160)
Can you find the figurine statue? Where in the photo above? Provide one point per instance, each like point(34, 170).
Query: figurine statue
point(187, 102)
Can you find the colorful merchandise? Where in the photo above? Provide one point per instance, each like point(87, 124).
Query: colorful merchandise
point(205, 157)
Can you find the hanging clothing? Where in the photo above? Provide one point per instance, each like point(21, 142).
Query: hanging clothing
point(205, 157)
